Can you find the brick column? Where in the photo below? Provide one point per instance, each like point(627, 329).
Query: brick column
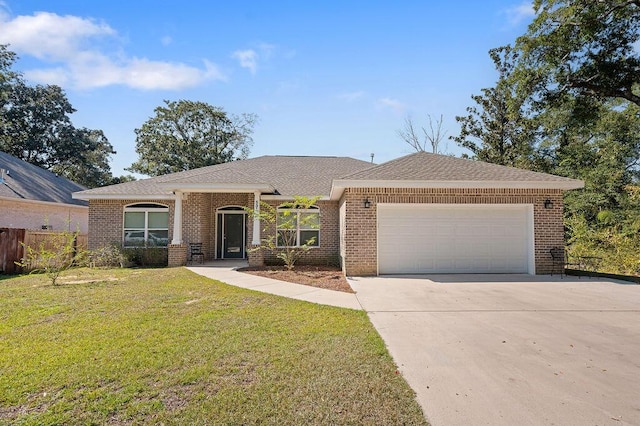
point(255, 257)
point(177, 255)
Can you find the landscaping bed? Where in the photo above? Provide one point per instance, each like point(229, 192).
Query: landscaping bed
point(328, 277)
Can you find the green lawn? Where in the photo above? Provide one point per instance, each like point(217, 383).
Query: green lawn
point(168, 346)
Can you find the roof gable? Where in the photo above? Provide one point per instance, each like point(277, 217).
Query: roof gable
point(28, 182)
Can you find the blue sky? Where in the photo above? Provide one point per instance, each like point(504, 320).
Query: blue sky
point(325, 78)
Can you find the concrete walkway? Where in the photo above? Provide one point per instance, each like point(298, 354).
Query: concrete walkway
point(225, 271)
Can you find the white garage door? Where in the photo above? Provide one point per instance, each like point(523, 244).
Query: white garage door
point(455, 238)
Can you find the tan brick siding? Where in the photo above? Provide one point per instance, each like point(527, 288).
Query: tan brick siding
point(360, 224)
point(106, 220)
point(199, 222)
point(33, 215)
point(357, 249)
point(328, 251)
point(177, 255)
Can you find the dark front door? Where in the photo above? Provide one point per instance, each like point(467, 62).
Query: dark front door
point(233, 236)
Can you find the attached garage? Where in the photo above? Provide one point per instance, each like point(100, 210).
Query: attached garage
point(455, 238)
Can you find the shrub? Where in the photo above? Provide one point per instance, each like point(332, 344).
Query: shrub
point(53, 256)
point(110, 256)
point(146, 256)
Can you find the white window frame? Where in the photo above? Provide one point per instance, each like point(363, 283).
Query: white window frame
point(315, 210)
point(146, 210)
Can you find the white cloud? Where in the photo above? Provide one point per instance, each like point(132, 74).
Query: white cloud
point(259, 55)
point(247, 59)
point(393, 104)
point(166, 40)
point(351, 96)
point(519, 13)
point(73, 44)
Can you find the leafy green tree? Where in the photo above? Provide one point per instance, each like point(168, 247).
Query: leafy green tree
point(90, 166)
point(35, 126)
point(584, 47)
point(185, 135)
point(497, 130)
point(7, 76)
point(605, 153)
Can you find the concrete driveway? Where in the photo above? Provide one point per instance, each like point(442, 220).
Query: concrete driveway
point(512, 350)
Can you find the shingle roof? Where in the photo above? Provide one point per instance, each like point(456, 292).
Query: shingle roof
point(423, 166)
point(295, 175)
point(288, 175)
point(28, 182)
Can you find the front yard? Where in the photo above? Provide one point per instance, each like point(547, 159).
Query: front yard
point(168, 346)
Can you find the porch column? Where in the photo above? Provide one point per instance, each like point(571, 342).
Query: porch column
point(177, 219)
point(256, 219)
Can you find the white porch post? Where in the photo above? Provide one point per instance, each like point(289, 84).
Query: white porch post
point(177, 219)
point(256, 219)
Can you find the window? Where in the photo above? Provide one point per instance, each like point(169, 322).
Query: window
point(296, 227)
point(146, 225)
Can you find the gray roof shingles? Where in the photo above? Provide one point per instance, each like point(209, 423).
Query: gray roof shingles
point(424, 166)
point(299, 175)
point(28, 182)
point(289, 175)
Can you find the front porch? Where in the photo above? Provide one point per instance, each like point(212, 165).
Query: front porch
point(218, 222)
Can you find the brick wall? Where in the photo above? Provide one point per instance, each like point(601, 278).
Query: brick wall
point(25, 214)
point(328, 251)
point(360, 224)
point(106, 220)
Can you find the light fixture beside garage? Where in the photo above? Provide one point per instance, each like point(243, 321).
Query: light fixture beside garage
point(367, 203)
point(548, 203)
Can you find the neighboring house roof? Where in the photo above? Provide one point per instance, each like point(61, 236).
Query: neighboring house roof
point(425, 170)
point(24, 181)
point(284, 175)
point(329, 176)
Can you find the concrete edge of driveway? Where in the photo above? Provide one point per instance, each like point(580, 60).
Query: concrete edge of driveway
point(227, 273)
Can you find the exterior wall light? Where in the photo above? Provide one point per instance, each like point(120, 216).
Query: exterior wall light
point(548, 203)
point(367, 203)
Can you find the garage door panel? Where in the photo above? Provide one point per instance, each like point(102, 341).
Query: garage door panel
point(453, 239)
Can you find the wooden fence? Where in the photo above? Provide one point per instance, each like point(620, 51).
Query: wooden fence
point(12, 249)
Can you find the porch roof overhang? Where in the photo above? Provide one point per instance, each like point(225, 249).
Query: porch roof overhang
point(339, 185)
point(218, 187)
point(166, 191)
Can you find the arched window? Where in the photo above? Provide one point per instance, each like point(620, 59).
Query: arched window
point(297, 227)
point(146, 224)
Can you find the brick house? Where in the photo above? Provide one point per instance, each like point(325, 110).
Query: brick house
point(422, 213)
point(35, 198)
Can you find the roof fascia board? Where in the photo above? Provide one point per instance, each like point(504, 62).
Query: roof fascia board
point(564, 185)
point(268, 197)
point(81, 196)
point(216, 187)
point(45, 203)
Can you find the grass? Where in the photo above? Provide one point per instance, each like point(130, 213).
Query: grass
point(168, 346)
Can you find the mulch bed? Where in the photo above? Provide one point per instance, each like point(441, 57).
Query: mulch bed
point(327, 277)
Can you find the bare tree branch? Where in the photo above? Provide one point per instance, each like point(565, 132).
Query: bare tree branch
point(432, 137)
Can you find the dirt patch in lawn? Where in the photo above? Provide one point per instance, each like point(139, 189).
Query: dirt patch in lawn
point(327, 277)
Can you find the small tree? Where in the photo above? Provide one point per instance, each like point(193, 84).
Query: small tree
point(286, 220)
point(53, 256)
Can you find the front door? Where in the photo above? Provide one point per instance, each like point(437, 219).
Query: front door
point(232, 235)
